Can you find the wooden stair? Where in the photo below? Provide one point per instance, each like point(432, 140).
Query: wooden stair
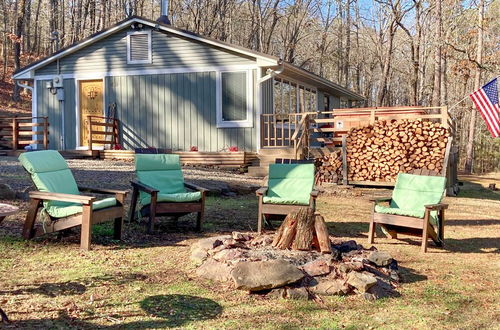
point(260, 166)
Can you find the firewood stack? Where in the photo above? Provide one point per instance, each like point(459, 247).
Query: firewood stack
point(329, 168)
point(379, 152)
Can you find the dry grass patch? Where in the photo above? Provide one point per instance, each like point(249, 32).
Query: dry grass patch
point(148, 281)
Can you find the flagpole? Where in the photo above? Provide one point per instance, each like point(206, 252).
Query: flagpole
point(453, 106)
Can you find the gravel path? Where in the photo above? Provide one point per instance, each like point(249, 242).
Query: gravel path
point(117, 174)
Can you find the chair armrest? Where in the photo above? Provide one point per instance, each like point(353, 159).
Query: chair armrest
point(195, 187)
point(143, 187)
point(380, 200)
point(314, 193)
point(261, 191)
point(50, 196)
point(103, 191)
point(436, 206)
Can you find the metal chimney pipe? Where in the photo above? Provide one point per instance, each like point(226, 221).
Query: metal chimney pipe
point(164, 13)
point(164, 7)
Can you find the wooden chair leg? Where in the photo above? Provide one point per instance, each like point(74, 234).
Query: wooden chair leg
point(29, 223)
point(152, 213)
point(441, 228)
point(259, 218)
point(425, 231)
point(133, 205)
point(118, 228)
point(86, 234)
point(371, 232)
point(201, 214)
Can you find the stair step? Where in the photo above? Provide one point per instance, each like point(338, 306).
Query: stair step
point(258, 171)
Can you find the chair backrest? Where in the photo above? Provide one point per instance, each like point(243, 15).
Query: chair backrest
point(293, 161)
point(412, 191)
point(291, 181)
point(160, 171)
point(50, 172)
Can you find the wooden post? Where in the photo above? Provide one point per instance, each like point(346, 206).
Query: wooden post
point(15, 133)
point(372, 117)
point(444, 117)
point(89, 130)
point(46, 133)
point(344, 160)
point(116, 132)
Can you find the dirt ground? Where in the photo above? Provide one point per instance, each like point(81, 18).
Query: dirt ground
point(147, 281)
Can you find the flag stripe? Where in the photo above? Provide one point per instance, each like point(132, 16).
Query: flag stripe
point(481, 107)
point(490, 110)
point(491, 106)
point(486, 101)
point(486, 110)
point(494, 130)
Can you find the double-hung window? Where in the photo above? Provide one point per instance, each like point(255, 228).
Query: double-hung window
point(234, 99)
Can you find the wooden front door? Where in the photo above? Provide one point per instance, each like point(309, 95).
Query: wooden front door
point(91, 104)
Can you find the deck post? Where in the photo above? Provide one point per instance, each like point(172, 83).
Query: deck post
point(46, 133)
point(344, 160)
point(89, 130)
point(15, 133)
point(444, 116)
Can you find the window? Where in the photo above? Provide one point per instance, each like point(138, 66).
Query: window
point(234, 98)
point(139, 47)
point(290, 97)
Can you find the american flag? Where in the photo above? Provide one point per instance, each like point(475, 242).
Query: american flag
point(486, 101)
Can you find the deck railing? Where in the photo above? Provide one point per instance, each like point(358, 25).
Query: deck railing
point(99, 129)
point(18, 132)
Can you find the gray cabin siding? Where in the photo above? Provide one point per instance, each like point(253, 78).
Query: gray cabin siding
point(48, 105)
point(168, 52)
point(174, 111)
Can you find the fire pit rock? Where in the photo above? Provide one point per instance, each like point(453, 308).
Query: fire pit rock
point(262, 275)
point(250, 262)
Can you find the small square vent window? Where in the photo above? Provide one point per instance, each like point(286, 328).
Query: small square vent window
point(139, 47)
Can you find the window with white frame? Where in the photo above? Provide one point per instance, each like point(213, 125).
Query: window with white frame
point(139, 47)
point(234, 99)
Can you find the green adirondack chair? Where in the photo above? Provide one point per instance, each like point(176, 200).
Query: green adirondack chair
point(415, 208)
point(161, 190)
point(59, 197)
point(290, 187)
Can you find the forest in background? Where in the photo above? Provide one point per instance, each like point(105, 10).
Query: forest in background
point(394, 52)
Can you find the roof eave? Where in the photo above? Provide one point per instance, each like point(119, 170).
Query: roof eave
point(339, 89)
point(261, 59)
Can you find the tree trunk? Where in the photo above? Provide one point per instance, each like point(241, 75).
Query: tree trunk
point(17, 45)
point(436, 92)
point(477, 85)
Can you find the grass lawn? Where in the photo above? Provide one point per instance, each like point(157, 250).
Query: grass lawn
point(148, 281)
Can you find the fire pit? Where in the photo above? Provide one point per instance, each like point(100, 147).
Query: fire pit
point(259, 264)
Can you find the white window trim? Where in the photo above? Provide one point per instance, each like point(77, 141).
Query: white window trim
point(150, 48)
point(234, 123)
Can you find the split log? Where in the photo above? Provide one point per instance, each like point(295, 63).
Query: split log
point(286, 233)
point(321, 232)
point(305, 227)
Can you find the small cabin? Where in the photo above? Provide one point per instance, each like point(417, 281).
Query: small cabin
point(143, 84)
